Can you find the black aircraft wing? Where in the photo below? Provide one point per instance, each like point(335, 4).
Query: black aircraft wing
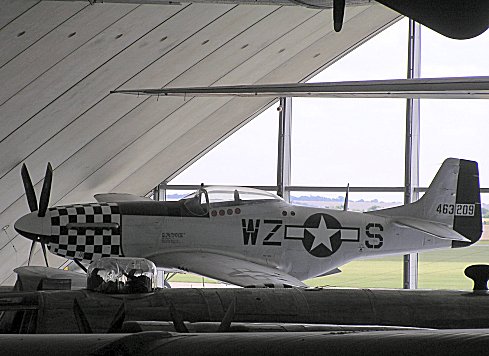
point(458, 19)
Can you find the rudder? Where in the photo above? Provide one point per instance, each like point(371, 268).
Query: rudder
point(468, 195)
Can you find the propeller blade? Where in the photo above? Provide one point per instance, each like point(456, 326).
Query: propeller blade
point(338, 14)
point(29, 188)
point(43, 245)
point(30, 252)
point(46, 191)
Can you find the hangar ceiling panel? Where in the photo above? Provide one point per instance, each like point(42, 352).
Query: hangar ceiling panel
point(59, 60)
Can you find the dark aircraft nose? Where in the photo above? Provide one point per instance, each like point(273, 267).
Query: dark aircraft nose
point(33, 226)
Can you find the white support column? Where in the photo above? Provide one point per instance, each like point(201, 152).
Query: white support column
point(284, 151)
point(156, 193)
point(159, 192)
point(410, 276)
point(162, 188)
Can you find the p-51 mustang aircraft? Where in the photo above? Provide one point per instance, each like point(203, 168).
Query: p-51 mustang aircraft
point(250, 237)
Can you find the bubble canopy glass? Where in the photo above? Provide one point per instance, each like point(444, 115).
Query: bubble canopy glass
point(238, 195)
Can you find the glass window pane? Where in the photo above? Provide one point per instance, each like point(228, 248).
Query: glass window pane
point(247, 157)
point(174, 195)
point(356, 141)
point(340, 141)
point(383, 272)
point(453, 128)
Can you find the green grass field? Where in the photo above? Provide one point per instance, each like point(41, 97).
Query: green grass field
point(441, 269)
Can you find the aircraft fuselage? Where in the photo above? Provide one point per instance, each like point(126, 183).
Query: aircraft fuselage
point(301, 241)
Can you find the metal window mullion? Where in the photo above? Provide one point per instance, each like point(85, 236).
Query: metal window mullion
point(410, 261)
point(284, 148)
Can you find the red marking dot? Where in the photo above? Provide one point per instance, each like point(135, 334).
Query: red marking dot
point(237, 211)
point(222, 212)
point(230, 211)
point(214, 213)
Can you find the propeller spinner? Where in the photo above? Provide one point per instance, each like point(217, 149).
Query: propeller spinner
point(36, 225)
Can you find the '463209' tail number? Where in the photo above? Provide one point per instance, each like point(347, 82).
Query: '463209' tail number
point(456, 209)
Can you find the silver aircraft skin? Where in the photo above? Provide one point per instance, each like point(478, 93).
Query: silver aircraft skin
point(250, 237)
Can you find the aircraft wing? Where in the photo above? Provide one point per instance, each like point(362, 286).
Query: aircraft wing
point(427, 88)
point(438, 230)
point(118, 197)
point(229, 269)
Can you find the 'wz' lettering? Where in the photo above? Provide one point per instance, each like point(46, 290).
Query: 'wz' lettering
point(250, 230)
point(377, 239)
point(278, 225)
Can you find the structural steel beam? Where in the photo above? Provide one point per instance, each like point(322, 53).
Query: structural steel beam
point(410, 275)
point(284, 151)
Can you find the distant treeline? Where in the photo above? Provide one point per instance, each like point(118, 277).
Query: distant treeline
point(316, 198)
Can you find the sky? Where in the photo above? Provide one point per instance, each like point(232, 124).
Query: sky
point(361, 141)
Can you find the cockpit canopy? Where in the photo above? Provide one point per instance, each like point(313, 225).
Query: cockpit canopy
point(240, 195)
point(216, 196)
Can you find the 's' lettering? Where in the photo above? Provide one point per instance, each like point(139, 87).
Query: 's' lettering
point(378, 240)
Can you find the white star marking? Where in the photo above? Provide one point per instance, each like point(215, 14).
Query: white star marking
point(322, 235)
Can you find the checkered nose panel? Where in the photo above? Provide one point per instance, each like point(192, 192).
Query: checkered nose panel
point(75, 234)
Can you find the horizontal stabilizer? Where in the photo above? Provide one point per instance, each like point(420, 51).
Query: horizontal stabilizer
point(118, 197)
point(330, 272)
point(438, 230)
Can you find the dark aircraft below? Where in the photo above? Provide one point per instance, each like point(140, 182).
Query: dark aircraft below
point(244, 321)
point(54, 311)
point(409, 342)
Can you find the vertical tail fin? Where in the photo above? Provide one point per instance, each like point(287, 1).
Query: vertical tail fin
point(452, 199)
